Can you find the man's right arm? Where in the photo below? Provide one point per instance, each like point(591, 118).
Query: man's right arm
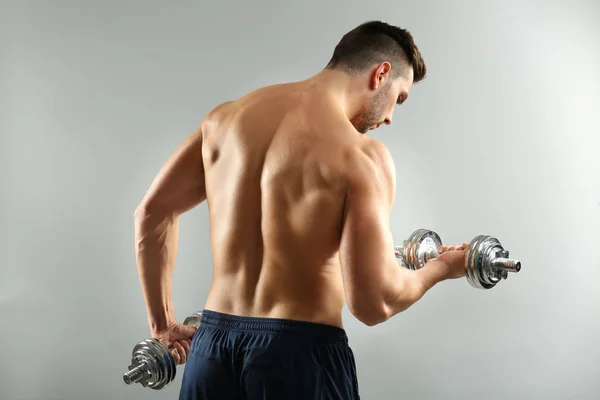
point(376, 287)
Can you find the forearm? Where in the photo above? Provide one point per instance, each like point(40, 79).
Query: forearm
point(156, 247)
point(410, 286)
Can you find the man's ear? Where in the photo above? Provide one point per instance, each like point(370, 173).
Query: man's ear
point(379, 75)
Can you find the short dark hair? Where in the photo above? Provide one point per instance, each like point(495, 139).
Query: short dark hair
point(374, 42)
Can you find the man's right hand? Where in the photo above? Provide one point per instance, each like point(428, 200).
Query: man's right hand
point(453, 257)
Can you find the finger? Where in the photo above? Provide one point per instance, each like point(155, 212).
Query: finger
point(186, 345)
point(181, 352)
point(176, 356)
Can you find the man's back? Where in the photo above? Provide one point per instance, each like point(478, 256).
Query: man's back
point(276, 171)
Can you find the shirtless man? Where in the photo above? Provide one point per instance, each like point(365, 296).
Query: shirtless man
point(299, 202)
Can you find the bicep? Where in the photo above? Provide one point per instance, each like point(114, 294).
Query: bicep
point(179, 185)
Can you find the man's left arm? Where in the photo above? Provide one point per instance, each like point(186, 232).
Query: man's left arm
point(177, 188)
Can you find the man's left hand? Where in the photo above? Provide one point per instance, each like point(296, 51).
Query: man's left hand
point(178, 338)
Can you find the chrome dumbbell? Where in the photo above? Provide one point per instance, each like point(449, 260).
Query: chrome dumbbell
point(486, 261)
point(152, 364)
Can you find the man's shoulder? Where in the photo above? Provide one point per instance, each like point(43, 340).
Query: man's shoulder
point(376, 152)
point(218, 110)
point(370, 161)
point(212, 119)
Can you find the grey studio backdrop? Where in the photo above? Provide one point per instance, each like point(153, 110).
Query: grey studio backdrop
point(502, 138)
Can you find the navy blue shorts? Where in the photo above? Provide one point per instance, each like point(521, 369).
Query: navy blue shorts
point(251, 358)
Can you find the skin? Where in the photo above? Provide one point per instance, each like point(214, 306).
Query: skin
point(299, 202)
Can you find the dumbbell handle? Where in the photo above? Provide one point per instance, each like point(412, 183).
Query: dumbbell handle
point(504, 264)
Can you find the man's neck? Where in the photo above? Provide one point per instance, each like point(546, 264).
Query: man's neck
point(341, 87)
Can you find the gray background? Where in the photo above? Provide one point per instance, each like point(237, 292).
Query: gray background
point(502, 138)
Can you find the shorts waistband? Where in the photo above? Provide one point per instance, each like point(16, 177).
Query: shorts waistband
point(318, 331)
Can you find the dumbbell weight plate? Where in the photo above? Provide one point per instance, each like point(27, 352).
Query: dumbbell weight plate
point(420, 247)
point(142, 358)
point(160, 361)
point(146, 353)
point(168, 360)
point(479, 255)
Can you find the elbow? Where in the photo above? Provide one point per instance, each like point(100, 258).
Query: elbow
point(375, 312)
point(373, 320)
point(370, 314)
point(137, 212)
point(155, 208)
point(147, 208)
point(148, 216)
point(140, 214)
point(144, 208)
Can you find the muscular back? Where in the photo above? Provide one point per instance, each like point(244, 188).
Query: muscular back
point(296, 197)
point(276, 177)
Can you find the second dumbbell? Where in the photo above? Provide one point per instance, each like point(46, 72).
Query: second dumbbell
point(486, 261)
point(152, 364)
